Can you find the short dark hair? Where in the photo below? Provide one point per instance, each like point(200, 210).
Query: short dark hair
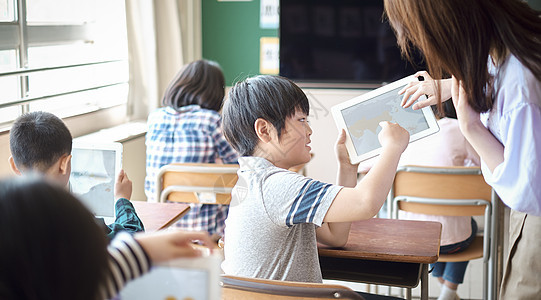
point(38, 139)
point(50, 245)
point(272, 98)
point(200, 82)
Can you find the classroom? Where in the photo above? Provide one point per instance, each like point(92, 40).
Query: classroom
point(152, 94)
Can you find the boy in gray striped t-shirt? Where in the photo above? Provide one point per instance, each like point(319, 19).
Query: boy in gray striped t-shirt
point(277, 217)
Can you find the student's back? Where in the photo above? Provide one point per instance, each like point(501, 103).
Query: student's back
point(188, 130)
point(40, 142)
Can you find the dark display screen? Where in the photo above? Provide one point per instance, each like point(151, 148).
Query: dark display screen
point(339, 41)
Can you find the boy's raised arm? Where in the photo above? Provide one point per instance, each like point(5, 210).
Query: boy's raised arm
point(336, 234)
point(347, 172)
point(366, 199)
point(123, 186)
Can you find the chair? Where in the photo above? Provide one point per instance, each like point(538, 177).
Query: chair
point(451, 191)
point(203, 183)
point(243, 288)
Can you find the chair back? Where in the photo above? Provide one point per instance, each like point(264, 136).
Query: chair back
point(204, 183)
point(452, 191)
point(243, 288)
point(443, 184)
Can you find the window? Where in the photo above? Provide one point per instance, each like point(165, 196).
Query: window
point(67, 57)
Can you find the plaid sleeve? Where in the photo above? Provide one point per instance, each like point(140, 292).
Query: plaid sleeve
point(126, 219)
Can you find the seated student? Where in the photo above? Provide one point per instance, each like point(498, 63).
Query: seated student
point(188, 130)
point(277, 217)
point(52, 248)
point(41, 142)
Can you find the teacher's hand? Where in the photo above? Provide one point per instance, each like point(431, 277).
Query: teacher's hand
point(415, 89)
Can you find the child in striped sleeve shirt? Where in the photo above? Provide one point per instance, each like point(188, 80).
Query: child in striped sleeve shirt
point(52, 248)
point(277, 217)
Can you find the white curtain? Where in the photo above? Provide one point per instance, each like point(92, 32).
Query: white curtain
point(163, 35)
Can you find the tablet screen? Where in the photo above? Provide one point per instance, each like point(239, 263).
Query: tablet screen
point(92, 178)
point(362, 119)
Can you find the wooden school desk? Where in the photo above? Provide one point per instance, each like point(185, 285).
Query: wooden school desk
point(157, 216)
point(385, 251)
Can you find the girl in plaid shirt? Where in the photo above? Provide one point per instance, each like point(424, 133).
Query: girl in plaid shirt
point(188, 130)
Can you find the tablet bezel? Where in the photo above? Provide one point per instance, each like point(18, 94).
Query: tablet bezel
point(341, 124)
point(209, 263)
point(117, 148)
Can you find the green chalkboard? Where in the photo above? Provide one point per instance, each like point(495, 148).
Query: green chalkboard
point(231, 34)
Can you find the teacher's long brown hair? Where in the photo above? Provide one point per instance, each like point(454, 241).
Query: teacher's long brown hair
point(459, 37)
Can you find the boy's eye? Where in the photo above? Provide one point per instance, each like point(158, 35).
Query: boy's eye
point(303, 120)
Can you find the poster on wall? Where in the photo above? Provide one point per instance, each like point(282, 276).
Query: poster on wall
point(269, 56)
point(268, 16)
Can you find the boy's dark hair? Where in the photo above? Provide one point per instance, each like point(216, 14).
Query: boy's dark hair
point(38, 139)
point(199, 82)
point(272, 98)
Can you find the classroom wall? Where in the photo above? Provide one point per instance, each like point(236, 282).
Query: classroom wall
point(231, 35)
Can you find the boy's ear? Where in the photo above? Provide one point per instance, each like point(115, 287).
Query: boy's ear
point(13, 166)
point(263, 130)
point(64, 164)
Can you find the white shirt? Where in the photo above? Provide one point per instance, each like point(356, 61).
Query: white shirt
point(515, 120)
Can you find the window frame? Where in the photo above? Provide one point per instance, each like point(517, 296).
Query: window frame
point(19, 36)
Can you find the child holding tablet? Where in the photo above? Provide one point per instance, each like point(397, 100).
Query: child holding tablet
point(277, 217)
point(40, 142)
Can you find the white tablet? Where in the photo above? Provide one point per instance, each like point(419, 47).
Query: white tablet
point(94, 168)
point(185, 278)
point(360, 117)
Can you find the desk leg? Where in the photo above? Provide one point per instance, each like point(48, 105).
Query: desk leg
point(424, 282)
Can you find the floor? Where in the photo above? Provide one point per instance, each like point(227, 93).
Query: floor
point(471, 288)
